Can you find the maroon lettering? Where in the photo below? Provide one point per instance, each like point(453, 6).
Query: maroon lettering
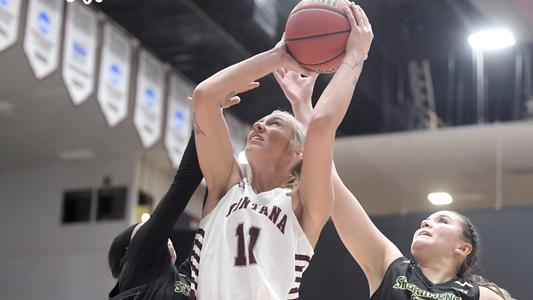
point(237, 206)
point(282, 223)
point(231, 209)
point(274, 214)
point(264, 210)
point(245, 203)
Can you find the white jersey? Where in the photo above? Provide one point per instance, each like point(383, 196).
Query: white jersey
point(250, 247)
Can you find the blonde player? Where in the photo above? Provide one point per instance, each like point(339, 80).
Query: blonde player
point(257, 236)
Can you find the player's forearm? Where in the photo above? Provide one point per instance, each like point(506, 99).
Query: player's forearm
point(337, 96)
point(302, 112)
point(226, 83)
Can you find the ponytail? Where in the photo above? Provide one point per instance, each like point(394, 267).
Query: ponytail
point(491, 286)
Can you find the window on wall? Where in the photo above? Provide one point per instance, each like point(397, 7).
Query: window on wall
point(111, 203)
point(86, 205)
point(77, 206)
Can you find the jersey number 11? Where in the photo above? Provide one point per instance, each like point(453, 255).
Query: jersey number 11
point(240, 259)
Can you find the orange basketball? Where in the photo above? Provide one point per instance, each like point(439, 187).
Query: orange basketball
point(316, 33)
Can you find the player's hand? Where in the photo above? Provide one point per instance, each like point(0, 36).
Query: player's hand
point(250, 86)
point(287, 61)
point(361, 35)
point(297, 88)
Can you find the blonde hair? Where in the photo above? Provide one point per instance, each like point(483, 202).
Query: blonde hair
point(296, 143)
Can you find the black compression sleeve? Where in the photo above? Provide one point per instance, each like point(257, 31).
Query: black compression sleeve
point(152, 237)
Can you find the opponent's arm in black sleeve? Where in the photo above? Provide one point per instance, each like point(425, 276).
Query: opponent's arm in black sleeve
point(151, 239)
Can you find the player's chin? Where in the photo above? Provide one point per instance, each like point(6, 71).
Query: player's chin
point(253, 145)
point(420, 245)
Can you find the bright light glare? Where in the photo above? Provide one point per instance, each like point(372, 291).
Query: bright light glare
point(440, 198)
point(491, 39)
point(145, 217)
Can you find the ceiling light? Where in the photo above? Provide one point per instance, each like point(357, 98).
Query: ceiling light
point(440, 198)
point(491, 39)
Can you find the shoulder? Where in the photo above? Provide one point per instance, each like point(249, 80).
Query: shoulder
point(236, 176)
point(223, 184)
point(216, 193)
point(487, 294)
point(399, 265)
point(402, 262)
point(296, 203)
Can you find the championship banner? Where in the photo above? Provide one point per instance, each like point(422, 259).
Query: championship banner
point(9, 22)
point(178, 127)
point(42, 34)
point(114, 79)
point(79, 53)
point(148, 115)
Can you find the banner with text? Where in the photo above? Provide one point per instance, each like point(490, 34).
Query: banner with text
point(178, 124)
point(9, 22)
point(114, 78)
point(148, 115)
point(79, 52)
point(42, 35)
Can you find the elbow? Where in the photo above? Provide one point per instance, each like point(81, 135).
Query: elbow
point(200, 96)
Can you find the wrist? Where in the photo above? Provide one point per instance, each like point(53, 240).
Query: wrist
point(299, 103)
point(354, 59)
point(278, 55)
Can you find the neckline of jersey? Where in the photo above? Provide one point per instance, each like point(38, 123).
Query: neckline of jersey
point(419, 271)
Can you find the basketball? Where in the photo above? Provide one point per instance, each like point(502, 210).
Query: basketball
point(316, 33)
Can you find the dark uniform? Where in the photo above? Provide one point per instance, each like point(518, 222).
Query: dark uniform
point(148, 272)
point(405, 281)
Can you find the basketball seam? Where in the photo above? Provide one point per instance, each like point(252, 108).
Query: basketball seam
point(324, 62)
point(317, 35)
point(322, 34)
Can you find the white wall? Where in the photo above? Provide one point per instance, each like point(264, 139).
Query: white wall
point(39, 257)
point(154, 178)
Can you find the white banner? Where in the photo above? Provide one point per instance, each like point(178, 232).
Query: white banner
point(79, 52)
point(148, 115)
point(178, 128)
point(9, 22)
point(114, 79)
point(42, 35)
